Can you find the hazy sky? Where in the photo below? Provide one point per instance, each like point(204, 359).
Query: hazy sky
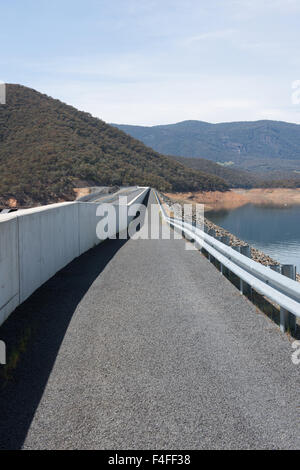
point(157, 61)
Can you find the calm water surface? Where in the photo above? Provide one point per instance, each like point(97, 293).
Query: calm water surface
point(273, 230)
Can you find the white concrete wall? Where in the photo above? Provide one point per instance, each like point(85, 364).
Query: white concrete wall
point(36, 243)
point(87, 226)
point(88, 221)
point(9, 266)
point(48, 241)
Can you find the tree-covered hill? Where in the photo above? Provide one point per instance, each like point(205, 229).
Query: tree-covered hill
point(234, 177)
point(47, 148)
point(258, 145)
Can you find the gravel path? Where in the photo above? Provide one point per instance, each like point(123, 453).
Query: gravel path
point(143, 344)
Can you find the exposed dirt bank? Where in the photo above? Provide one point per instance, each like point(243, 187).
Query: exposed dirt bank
point(80, 192)
point(239, 197)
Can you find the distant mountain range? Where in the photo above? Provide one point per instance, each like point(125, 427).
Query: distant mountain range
point(261, 146)
point(47, 148)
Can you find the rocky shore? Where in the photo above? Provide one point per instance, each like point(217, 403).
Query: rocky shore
point(256, 255)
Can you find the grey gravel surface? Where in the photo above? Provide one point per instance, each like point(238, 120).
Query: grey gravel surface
point(110, 194)
point(144, 345)
point(130, 193)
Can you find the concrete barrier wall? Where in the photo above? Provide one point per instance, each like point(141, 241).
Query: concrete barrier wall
point(48, 241)
point(88, 221)
point(87, 226)
point(36, 243)
point(9, 266)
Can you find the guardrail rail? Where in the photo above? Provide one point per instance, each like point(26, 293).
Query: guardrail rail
point(273, 285)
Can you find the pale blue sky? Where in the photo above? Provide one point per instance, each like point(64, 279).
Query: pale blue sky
point(157, 61)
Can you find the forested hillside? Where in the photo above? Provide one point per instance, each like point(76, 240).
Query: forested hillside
point(235, 178)
point(258, 145)
point(47, 148)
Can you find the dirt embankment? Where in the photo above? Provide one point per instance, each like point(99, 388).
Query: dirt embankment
point(80, 192)
point(239, 197)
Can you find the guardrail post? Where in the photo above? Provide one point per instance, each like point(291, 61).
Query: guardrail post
point(211, 232)
point(289, 270)
point(238, 249)
point(283, 319)
point(242, 287)
point(287, 319)
point(275, 267)
point(221, 265)
point(246, 251)
point(225, 239)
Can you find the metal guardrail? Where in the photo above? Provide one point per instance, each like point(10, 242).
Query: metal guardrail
point(278, 288)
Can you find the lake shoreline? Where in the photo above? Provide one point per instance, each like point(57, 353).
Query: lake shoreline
point(256, 255)
point(234, 198)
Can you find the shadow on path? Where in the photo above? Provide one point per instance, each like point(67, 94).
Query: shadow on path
point(33, 335)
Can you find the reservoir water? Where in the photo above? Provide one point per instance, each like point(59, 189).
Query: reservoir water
point(271, 229)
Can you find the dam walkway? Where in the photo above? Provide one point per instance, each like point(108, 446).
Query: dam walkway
point(142, 344)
